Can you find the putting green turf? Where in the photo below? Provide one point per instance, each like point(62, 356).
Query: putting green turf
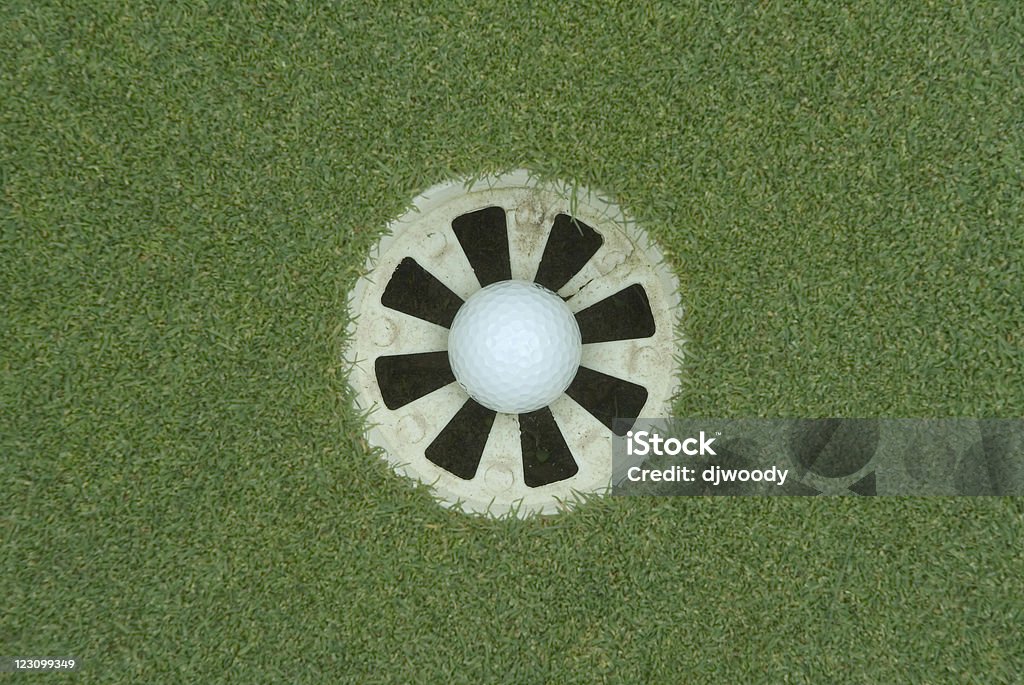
point(189, 192)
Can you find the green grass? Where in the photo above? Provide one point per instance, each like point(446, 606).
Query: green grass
point(187, 193)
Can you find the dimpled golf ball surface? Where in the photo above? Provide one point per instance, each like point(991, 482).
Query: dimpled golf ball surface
point(514, 346)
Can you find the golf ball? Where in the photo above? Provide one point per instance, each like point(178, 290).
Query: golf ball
point(514, 346)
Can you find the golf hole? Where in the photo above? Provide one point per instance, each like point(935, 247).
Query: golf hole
point(460, 238)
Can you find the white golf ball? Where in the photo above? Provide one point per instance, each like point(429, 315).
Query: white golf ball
point(514, 346)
